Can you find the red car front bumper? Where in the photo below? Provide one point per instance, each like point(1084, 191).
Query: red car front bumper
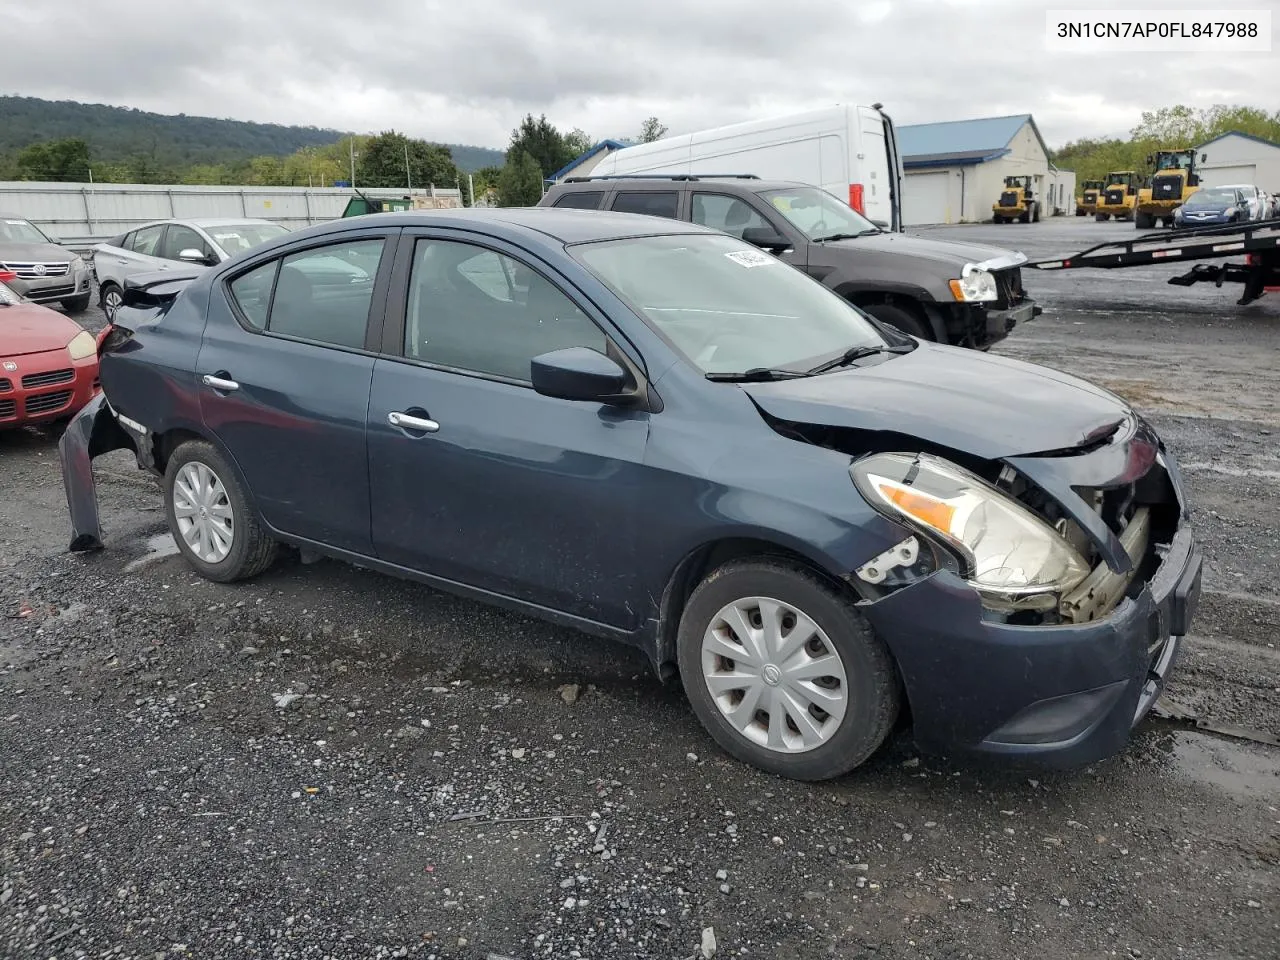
point(44, 387)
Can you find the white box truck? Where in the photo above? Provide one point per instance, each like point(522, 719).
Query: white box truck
point(849, 151)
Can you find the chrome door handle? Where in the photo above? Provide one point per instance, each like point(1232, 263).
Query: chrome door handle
point(218, 383)
point(406, 422)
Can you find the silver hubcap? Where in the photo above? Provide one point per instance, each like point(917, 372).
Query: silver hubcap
point(774, 675)
point(110, 303)
point(206, 522)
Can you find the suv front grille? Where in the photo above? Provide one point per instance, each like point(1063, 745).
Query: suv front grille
point(47, 379)
point(5, 385)
point(1009, 283)
point(7, 409)
point(38, 271)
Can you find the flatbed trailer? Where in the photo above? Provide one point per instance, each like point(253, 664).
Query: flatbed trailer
point(1259, 242)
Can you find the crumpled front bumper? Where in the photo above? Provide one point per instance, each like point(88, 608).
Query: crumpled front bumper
point(91, 433)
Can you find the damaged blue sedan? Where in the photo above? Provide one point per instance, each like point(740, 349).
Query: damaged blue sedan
point(653, 432)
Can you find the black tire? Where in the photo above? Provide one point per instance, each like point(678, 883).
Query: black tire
point(252, 551)
point(900, 319)
point(872, 694)
point(76, 304)
point(1025, 217)
point(1035, 213)
point(109, 294)
point(1101, 216)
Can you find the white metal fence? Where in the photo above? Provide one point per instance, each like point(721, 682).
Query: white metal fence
point(81, 214)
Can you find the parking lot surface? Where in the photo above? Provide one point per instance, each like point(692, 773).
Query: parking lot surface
point(325, 762)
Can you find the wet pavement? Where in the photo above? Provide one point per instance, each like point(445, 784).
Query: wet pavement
point(330, 763)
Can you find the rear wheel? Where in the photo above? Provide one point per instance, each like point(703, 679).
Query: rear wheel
point(783, 671)
point(1101, 216)
point(1025, 217)
point(111, 297)
point(76, 304)
point(895, 316)
point(210, 518)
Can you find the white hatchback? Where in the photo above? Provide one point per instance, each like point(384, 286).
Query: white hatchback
point(164, 243)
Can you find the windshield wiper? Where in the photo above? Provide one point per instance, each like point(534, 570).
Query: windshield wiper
point(757, 375)
point(846, 236)
point(859, 352)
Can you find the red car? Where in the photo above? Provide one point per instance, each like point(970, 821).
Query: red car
point(48, 362)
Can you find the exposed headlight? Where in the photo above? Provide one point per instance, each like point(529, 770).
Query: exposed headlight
point(82, 345)
point(77, 264)
point(975, 285)
point(1013, 558)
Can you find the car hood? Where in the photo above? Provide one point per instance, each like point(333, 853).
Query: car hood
point(949, 252)
point(990, 407)
point(30, 328)
point(35, 252)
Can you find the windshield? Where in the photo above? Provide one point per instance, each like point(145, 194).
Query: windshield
point(20, 231)
point(1173, 161)
point(1212, 198)
point(1115, 179)
point(726, 305)
point(236, 238)
point(817, 213)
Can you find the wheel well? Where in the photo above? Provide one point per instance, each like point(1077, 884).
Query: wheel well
point(163, 445)
point(693, 569)
point(904, 302)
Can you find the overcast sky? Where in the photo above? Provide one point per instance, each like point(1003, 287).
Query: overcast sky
point(466, 71)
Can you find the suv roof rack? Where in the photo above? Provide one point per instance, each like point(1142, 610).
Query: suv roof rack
point(664, 176)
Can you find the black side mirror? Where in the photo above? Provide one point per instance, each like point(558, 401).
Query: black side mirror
point(881, 224)
point(578, 373)
point(766, 238)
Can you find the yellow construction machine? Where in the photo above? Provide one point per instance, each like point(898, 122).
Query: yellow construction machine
point(1175, 178)
point(1017, 201)
point(1087, 202)
point(1119, 195)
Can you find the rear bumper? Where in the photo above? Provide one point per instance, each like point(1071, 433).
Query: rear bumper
point(54, 388)
point(1059, 696)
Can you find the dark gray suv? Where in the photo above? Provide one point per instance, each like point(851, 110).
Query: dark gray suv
point(962, 294)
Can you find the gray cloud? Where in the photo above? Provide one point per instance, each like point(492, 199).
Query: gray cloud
point(467, 72)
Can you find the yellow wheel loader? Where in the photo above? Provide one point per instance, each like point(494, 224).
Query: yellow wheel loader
point(1087, 202)
point(1174, 180)
point(1017, 202)
point(1119, 196)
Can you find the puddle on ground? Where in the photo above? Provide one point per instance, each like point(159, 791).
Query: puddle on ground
point(1240, 769)
point(158, 547)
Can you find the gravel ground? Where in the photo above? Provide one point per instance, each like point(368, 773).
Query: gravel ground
point(330, 763)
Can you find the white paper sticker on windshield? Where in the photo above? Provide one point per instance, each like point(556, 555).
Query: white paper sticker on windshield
point(226, 236)
point(16, 223)
point(750, 258)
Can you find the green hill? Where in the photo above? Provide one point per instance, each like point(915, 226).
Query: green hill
point(118, 134)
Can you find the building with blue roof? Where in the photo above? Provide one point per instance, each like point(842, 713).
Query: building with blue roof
point(582, 165)
point(955, 170)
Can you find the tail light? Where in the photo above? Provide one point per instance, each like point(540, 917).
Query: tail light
point(855, 198)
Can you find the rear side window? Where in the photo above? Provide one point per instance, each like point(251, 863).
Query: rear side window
point(252, 293)
point(651, 202)
point(146, 241)
point(581, 200)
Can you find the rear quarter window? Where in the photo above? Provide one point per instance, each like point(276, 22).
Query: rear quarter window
point(252, 294)
point(580, 200)
point(654, 203)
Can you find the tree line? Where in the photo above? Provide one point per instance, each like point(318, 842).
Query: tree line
point(1169, 128)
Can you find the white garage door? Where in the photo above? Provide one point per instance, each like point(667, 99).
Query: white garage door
point(924, 198)
point(1219, 176)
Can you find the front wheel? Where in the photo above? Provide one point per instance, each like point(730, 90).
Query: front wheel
point(1101, 217)
point(210, 518)
point(76, 304)
point(898, 318)
point(783, 671)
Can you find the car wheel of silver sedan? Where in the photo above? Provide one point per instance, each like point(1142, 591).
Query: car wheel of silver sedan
point(784, 672)
point(209, 515)
point(112, 298)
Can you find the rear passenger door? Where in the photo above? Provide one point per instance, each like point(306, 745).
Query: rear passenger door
point(284, 373)
point(139, 254)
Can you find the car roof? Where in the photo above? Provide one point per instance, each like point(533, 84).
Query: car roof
point(13, 216)
point(747, 184)
point(567, 226)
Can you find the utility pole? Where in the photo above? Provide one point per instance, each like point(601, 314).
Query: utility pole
point(407, 175)
point(471, 189)
point(353, 161)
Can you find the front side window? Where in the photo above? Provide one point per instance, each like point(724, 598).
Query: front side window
point(477, 310)
point(178, 238)
point(651, 202)
point(818, 214)
point(726, 305)
point(729, 214)
point(236, 238)
point(147, 240)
